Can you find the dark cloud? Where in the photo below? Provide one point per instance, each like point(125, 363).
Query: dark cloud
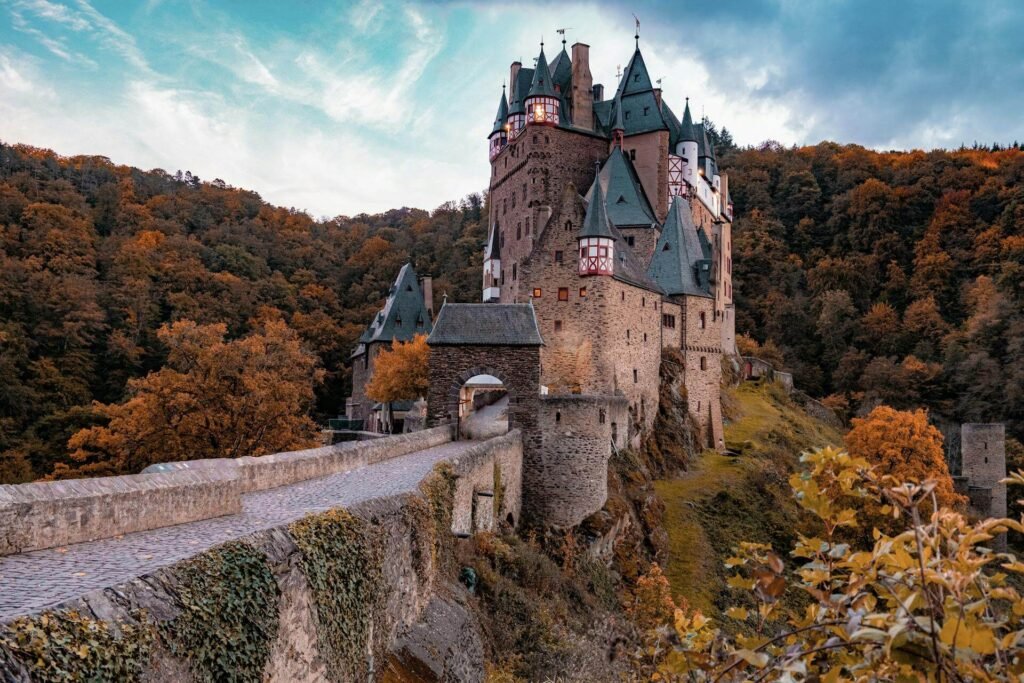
point(879, 72)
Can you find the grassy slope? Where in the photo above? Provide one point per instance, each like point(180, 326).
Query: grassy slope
point(722, 500)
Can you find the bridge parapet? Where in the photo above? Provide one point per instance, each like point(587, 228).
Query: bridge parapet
point(43, 515)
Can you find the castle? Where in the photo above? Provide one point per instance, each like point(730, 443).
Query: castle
point(611, 217)
point(609, 241)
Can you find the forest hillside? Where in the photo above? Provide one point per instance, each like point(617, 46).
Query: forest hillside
point(875, 277)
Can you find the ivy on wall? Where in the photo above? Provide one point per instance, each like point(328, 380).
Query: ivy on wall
point(439, 490)
point(229, 613)
point(68, 646)
point(342, 559)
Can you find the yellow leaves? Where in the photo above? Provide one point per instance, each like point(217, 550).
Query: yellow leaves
point(968, 634)
point(737, 581)
point(738, 613)
point(758, 659)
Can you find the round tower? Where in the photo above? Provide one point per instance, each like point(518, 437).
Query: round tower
point(498, 138)
point(596, 239)
point(542, 102)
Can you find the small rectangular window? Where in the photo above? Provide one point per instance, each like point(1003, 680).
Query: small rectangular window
point(563, 293)
point(558, 257)
point(514, 271)
point(536, 293)
point(703, 362)
point(583, 292)
point(668, 321)
point(558, 326)
point(631, 240)
point(636, 376)
point(519, 231)
point(632, 155)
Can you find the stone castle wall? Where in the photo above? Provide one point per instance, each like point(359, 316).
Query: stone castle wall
point(700, 341)
point(649, 154)
point(358, 406)
point(527, 179)
point(571, 471)
point(983, 458)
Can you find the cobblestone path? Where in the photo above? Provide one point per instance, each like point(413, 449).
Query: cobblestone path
point(44, 578)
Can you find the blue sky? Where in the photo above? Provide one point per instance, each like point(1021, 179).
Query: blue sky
point(344, 107)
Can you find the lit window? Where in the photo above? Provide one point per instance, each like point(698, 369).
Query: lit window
point(563, 293)
point(583, 292)
point(536, 293)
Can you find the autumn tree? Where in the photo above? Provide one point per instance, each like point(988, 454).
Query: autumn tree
point(902, 444)
point(213, 399)
point(401, 373)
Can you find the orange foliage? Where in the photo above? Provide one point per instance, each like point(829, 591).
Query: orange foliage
point(213, 399)
point(904, 445)
point(653, 605)
point(401, 373)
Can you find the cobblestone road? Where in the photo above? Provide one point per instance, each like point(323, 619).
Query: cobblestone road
point(32, 581)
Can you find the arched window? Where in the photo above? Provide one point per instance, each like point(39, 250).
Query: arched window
point(601, 417)
point(568, 226)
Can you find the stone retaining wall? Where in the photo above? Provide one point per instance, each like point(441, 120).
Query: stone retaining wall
point(49, 514)
point(488, 490)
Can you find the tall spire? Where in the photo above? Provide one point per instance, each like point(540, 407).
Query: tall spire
point(596, 223)
point(541, 85)
point(499, 119)
point(637, 35)
point(688, 133)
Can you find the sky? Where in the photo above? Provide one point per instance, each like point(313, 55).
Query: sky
point(339, 108)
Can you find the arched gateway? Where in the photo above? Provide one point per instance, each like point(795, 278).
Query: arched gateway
point(501, 340)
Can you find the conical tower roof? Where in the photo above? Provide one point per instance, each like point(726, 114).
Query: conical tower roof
point(541, 85)
point(679, 255)
point(596, 223)
point(689, 133)
point(635, 79)
point(502, 115)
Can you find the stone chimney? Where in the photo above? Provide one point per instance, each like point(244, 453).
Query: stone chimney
point(513, 74)
point(598, 92)
point(582, 88)
point(427, 287)
point(657, 96)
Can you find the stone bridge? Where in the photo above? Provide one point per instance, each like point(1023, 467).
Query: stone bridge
point(85, 544)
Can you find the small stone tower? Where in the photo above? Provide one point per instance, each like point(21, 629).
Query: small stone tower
point(983, 454)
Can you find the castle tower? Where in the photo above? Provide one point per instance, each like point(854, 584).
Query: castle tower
point(596, 240)
point(542, 102)
point(499, 132)
point(983, 458)
point(492, 266)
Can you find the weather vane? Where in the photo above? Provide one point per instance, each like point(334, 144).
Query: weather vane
point(637, 36)
point(562, 31)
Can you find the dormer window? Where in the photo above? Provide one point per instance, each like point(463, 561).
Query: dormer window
point(542, 110)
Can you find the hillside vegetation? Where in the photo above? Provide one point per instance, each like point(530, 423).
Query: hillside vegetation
point(95, 257)
point(895, 277)
point(892, 277)
point(722, 500)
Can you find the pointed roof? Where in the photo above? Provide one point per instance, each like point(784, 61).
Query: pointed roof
point(561, 70)
point(617, 120)
point(502, 115)
point(596, 223)
point(625, 200)
point(541, 85)
point(635, 79)
point(493, 248)
point(403, 311)
point(519, 90)
point(680, 255)
point(689, 132)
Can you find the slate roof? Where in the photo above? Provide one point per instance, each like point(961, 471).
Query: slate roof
point(689, 131)
point(541, 85)
point(681, 256)
point(493, 248)
point(502, 115)
point(486, 325)
point(402, 309)
point(629, 268)
point(596, 222)
point(625, 199)
point(561, 70)
point(519, 90)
